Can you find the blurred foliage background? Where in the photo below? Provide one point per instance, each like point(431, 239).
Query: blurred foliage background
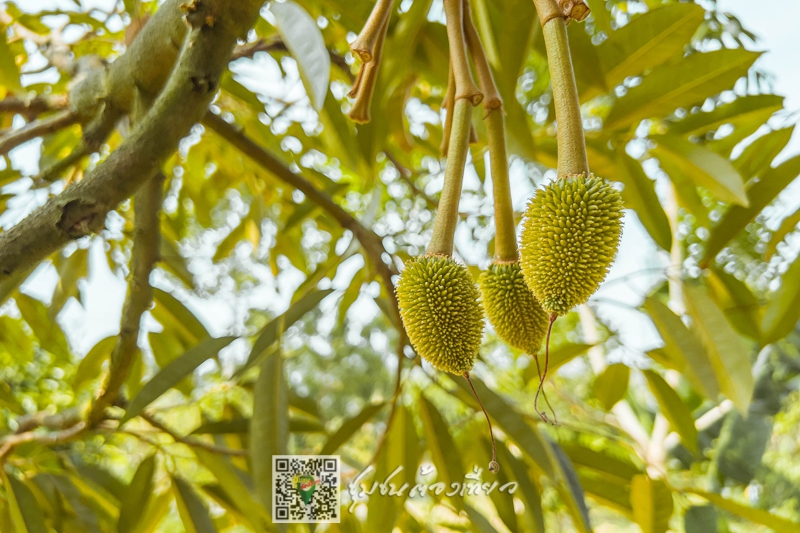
point(272, 327)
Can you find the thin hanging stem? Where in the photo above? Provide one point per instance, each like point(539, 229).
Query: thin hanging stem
point(494, 466)
point(542, 414)
point(572, 158)
point(544, 392)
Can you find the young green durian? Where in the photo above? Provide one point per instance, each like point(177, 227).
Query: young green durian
point(437, 297)
point(441, 313)
point(570, 236)
point(516, 316)
point(513, 311)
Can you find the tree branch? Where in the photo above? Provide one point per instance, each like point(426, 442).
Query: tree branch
point(38, 128)
point(10, 442)
point(33, 107)
point(146, 237)
point(369, 240)
point(81, 208)
point(194, 443)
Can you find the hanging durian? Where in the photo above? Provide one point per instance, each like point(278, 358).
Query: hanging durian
point(572, 227)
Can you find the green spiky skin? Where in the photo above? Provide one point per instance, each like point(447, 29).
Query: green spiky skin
point(441, 313)
point(570, 236)
point(511, 307)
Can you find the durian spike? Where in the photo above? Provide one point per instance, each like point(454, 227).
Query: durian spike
point(542, 414)
point(494, 466)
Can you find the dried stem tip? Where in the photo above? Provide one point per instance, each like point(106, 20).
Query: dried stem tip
point(371, 37)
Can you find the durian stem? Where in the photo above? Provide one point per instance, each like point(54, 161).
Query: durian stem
point(571, 143)
point(465, 85)
point(505, 245)
point(505, 240)
point(544, 393)
point(444, 228)
point(447, 105)
point(542, 414)
point(364, 86)
point(372, 34)
point(494, 466)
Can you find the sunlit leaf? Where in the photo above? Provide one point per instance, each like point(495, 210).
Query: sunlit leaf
point(25, 512)
point(350, 426)
point(269, 429)
point(700, 519)
point(783, 311)
point(92, 362)
point(194, 514)
point(47, 331)
point(758, 156)
point(9, 71)
point(788, 225)
point(683, 348)
point(304, 40)
point(173, 373)
point(444, 453)
point(704, 167)
point(758, 516)
point(736, 300)
point(136, 496)
point(673, 408)
point(680, 84)
point(571, 490)
point(172, 313)
point(639, 194)
point(610, 386)
point(761, 193)
point(728, 355)
point(652, 504)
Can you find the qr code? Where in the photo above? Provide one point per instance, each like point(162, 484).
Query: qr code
point(305, 488)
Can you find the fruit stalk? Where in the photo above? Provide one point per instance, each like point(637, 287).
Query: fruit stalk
point(364, 86)
point(572, 158)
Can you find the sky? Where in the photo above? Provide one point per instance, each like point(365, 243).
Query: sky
point(104, 292)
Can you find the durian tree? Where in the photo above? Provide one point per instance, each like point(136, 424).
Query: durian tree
point(232, 230)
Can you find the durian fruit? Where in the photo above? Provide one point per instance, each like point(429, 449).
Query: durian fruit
point(570, 236)
point(513, 311)
point(516, 316)
point(441, 312)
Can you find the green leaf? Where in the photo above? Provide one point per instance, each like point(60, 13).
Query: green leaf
point(788, 225)
point(783, 311)
point(350, 426)
point(306, 44)
point(758, 516)
point(172, 261)
point(26, 514)
point(640, 195)
point(444, 453)
point(9, 71)
point(759, 154)
point(400, 448)
point(136, 495)
point(171, 374)
point(571, 490)
point(738, 303)
point(47, 331)
point(652, 504)
point(8, 400)
point(771, 183)
point(528, 492)
point(682, 84)
point(528, 438)
point(704, 167)
point(478, 520)
point(276, 327)
point(684, 349)
point(70, 270)
point(610, 386)
point(673, 408)
point(746, 112)
point(173, 314)
point(648, 40)
point(230, 479)
point(566, 353)
point(725, 349)
point(700, 519)
point(92, 362)
point(193, 513)
point(269, 428)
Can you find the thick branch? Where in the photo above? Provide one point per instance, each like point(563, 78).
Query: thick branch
point(82, 208)
point(369, 240)
point(146, 237)
point(33, 107)
point(10, 442)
